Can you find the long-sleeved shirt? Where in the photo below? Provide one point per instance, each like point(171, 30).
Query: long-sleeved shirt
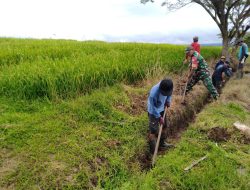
point(156, 101)
point(196, 47)
point(217, 75)
point(243, 51)
point(218, 64)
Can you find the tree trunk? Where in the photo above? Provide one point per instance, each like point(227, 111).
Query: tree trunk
point(225, 47)
point(230, 56)
point(233, 58)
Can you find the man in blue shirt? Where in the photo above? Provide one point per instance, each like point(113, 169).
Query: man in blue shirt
point(159, 97)
point(242, 56)
point(220, 62)
point(217, 75)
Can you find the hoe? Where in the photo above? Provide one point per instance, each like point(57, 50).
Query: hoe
point(158, 138)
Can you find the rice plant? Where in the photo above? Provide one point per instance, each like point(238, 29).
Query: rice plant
point(62, 68)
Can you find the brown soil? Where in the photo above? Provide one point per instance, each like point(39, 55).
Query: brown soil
point(145, 161)
point(138, 104)
point(219, 134)
point(245, 140)
point(178, 115)
point(8, 163)
point(113, 143)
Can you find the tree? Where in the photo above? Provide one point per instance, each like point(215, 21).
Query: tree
point(247, 39)
point(231, 16)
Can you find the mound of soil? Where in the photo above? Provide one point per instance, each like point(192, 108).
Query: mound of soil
point(219, 134)
point(145, 161)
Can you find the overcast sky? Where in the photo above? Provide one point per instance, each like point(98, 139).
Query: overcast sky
point(110, 20)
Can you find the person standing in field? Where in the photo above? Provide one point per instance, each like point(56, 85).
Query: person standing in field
point(199, 71)
point(196, 44)
point(159, 98)
point(242, 56)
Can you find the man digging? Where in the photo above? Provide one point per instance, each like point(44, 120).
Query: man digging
point(199, 71)
point(159, 98)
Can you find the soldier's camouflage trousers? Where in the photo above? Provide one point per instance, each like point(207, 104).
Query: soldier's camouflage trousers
point(207, 81)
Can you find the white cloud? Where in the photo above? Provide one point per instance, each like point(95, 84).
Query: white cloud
point(97, 19)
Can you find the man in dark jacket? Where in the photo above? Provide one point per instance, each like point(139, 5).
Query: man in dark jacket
point(217, 75)
point(220, 62)
point(159, 98)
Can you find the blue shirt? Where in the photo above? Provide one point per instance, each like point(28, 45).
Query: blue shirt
point(156, 101)
point(217, 75)
point(243, 51)
point(218, 64)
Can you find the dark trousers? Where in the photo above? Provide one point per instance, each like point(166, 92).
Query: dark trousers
point(154, 126)
point(240, 68)
point(217, 82)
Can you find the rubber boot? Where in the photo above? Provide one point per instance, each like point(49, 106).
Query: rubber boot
point(152, 144)
point(164, 146)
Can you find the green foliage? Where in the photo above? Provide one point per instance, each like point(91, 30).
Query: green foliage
point(224, 164)
point(93, 141)
point(56, 68)
point(74, 144)
point(247, 39)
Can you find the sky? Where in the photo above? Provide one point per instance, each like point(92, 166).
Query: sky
point(110, 20)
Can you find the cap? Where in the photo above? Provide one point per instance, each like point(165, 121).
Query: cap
point(166, 87)
point(188, 49)
point(223, 57)
point(195, 38)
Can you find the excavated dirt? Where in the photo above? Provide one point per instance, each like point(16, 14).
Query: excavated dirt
point(113, 144)
point(138, 104)
point(244, 140)
point(219, 134)
point(178, 116)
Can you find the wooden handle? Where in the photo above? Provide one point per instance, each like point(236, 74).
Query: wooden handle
point(158, 139)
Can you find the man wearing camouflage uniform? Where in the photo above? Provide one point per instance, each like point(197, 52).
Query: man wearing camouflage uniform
point(199, 71)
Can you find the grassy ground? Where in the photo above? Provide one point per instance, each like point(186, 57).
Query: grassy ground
point(73, 144)
point(227, 164)
point(95, 140)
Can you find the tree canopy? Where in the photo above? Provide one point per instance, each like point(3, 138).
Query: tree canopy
point(231, 16)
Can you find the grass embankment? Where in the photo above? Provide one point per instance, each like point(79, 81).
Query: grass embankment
point(95, 140)
point(212, 134)
point(74, 144)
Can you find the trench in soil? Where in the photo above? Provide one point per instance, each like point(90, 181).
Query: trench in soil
point(179, 116)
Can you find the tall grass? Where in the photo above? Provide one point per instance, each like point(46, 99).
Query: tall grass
point(60, 68)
